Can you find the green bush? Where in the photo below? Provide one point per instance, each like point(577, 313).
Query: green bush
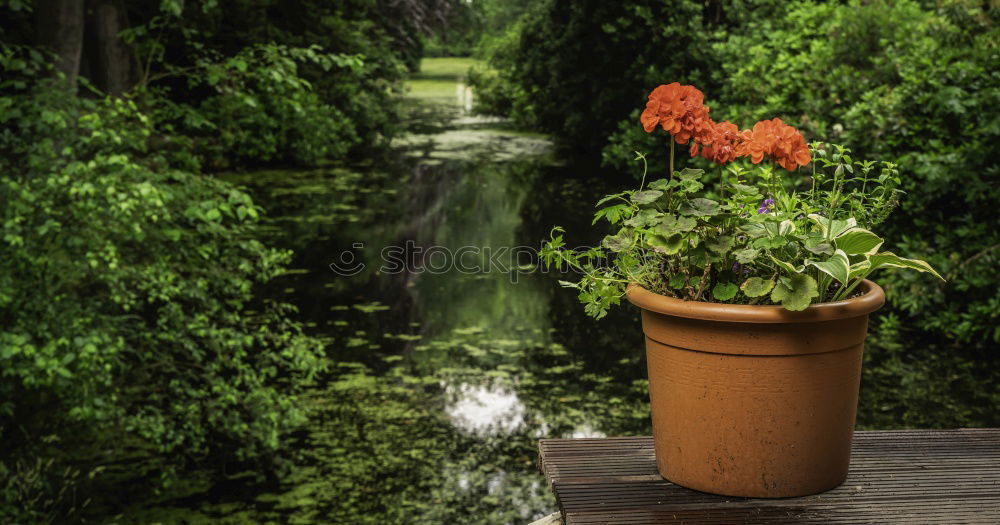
point(126, 290)
point(262, 109)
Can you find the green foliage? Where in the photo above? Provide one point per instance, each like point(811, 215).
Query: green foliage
point(261, 110)
point(127, 296)
point(574, 69)
point(674, 240)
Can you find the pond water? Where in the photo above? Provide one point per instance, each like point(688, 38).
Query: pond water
point(442, 378)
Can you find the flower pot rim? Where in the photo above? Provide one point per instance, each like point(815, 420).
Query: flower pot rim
point(872, 299)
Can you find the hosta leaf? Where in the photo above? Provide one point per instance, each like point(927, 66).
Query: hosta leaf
point(721, 244)
point(817, 244)
point(857, 241)
point(756, 287)
point(646, 197)
point(775, 229)
point(795, 293)
point(670, 225)
point(835, 226)
point(787, 266)
point(668, 245)
point(700, 207)
point(746, 256)
point(837, 266)
point(881, 260)
point(859, 269)
point(690, 173)
point(724, 291)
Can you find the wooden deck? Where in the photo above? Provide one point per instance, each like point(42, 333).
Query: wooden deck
point(904, 476)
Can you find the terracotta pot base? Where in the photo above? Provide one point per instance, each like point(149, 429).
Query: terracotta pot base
point(754, 407)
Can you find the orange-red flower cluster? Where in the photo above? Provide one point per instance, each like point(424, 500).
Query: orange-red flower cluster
point(681, 111)
point(777, 140)
point(678, 109)
point(720, 144)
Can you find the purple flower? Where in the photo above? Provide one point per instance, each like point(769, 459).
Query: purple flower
point(736, 269)
point(765, 206)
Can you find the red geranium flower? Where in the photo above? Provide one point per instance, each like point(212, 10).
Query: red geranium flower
point(679, 109)
point(775, 139)
point(720, 141)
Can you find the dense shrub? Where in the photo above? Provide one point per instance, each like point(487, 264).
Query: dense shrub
point(126, 299)
point(260, 110)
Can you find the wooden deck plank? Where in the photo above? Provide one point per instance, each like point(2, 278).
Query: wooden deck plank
point(896, 476)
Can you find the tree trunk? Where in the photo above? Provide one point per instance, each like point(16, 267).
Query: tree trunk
point(59, 28)
point(111, 58)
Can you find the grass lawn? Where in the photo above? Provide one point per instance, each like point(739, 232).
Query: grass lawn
point(437, 77)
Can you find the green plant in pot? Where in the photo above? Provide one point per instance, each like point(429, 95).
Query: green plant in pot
point(754, 291)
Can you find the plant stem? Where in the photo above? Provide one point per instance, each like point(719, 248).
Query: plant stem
point(671, 159)
point(703, 281)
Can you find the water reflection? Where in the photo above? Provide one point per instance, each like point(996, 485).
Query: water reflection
point(442, 382)
point(484, 409)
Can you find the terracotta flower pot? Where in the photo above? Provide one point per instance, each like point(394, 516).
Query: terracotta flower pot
point(754, 401)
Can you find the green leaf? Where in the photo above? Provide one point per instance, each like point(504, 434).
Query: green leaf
point(816, 243)
point(858, 269)
point(691, 186)
point(670, 225)
point(677, 281)
point(724, 291)
point(744, 189)
point(787, 266)
point(882, 260)
point(795, 293)
point(646, 197)
point(700, 207)
point(775, 229)
point(837, 266)
point(690, 174)
point(644, 218)
point(608, 198)
point(721, 244)
point(835, 226)
point(617, 243)
point(746, 256)
point(756, 287)
point(668, 245)
point(770, 243)
point(613, 214)
point(662, 184)
point(856, 241)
